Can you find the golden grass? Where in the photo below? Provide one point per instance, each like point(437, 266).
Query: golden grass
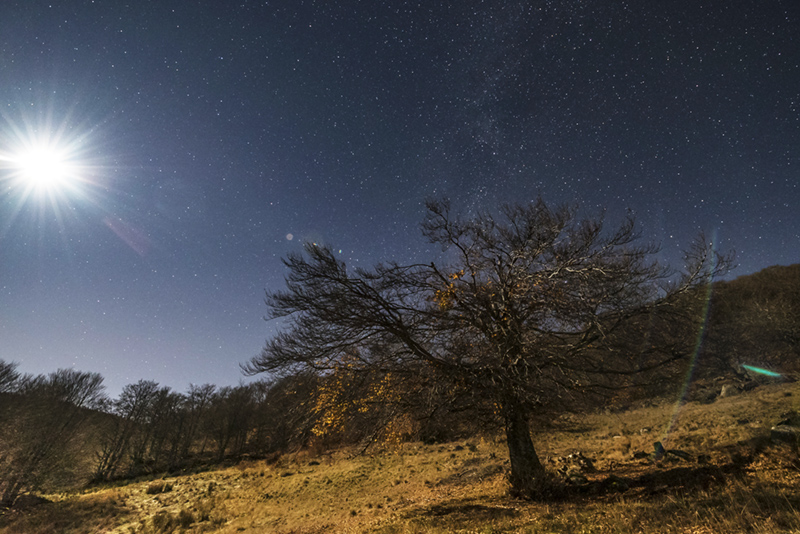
point(746, 485)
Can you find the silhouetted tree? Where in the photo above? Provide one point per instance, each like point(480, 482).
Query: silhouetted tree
point(284, 417)
point(194, 406)
point(528, 310)
point(229, 418)
point(130, 412)
point(8, 376)
point(162, 427)
point(42, 421)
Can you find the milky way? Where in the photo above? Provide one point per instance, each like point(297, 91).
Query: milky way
point(217, 137)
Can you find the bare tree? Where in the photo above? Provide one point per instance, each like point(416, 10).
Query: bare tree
point(530, 309)
point(8, 375)
point(161, 430)
point(128, 417)
point(42, 421)
point(229, 418)
point(283, 416)
point(196, 404)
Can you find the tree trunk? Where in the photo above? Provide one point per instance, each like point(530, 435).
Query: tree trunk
point(527, 472)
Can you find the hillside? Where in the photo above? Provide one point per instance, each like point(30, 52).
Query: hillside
point(735, 481)
point(753, 320)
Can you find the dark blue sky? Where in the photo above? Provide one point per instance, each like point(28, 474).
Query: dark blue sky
point(216, 137)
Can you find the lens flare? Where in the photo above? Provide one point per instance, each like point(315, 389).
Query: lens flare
point(701, 332)
point(46, 170)
point(44, 167)
point(762, 371)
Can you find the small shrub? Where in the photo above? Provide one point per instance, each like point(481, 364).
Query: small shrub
point(162, 522)
point(185, 518)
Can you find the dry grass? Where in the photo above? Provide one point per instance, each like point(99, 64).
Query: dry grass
point(745, 484)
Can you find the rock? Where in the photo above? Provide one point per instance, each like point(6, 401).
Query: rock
point(660, 452)
point(574, 463)
point(582, 462)
point(728, 390)
point(790, 418)
point(785, 434)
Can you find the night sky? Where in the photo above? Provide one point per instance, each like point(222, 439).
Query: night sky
point(208, 139)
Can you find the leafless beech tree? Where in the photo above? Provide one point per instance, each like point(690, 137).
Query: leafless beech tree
point(198, 401)
point(123, 431)
point(229, 419)
point(8, 375)
point(532, 308)
point(43, 420)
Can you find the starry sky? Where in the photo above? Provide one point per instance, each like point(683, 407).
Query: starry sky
point(209, 139)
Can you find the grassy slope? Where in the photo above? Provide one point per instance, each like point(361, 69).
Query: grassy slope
point(747, 485)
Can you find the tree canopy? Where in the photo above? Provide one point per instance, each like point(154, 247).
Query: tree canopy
point(532, 308)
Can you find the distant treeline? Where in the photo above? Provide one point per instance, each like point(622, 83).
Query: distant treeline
point(61, 430)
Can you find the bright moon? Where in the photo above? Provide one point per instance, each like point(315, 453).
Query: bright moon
point(43, 168)
point(47, 171)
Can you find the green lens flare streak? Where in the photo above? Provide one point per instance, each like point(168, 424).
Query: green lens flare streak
point(696, 352)
point(762, 371)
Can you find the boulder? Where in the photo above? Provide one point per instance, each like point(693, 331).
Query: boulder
point(785, 434)
point(574, 463)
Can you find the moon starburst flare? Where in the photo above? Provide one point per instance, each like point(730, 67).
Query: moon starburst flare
point(42, 165)
point(44, 168)
point(45, 171)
